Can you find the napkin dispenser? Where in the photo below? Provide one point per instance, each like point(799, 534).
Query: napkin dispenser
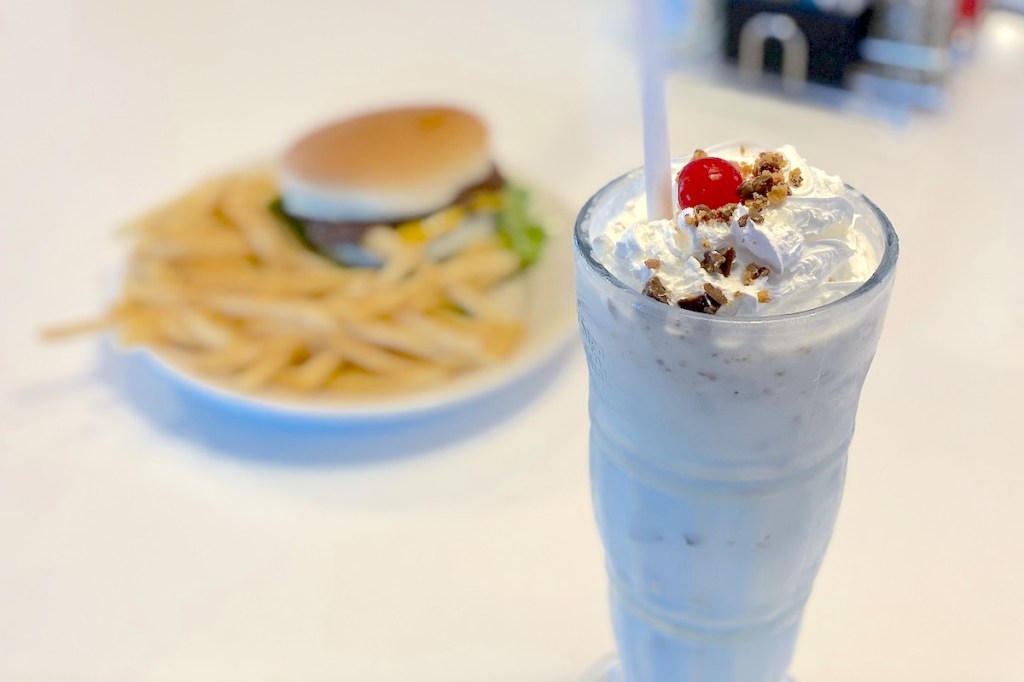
point(797, 39)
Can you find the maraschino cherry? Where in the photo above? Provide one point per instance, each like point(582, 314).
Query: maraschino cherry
point(710, 181)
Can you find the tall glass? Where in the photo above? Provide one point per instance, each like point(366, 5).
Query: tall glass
point(718, 453)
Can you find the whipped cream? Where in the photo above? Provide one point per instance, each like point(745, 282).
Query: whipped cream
point(810, 243)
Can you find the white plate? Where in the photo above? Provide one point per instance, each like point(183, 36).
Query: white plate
point(548, 303)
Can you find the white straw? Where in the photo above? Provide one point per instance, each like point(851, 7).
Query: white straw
point(657, 159)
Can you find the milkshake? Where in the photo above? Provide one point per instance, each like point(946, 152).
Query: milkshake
point(727, 346)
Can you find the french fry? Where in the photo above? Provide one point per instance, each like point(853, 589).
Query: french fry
point(266, 281)
point(424, 281)
point(140, 328)
point(395, 337)
point(446, 343)
point(227, 360)
point(193, 206)
point(244, 204)
point(475, 303)
point(482, 267)
point(295, 315)
point(207, 244)
point(312, 374)
point(383, 242)
point(64, 331)
point(205, 329)
point(366, 355)
point(269, 363)
point(399, 266)
point(426, 299)
point(142, 292)
point(363, 383)
point(174, 331)
point(499, 338)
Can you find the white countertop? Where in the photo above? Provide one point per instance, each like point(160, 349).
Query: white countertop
point(146, 539)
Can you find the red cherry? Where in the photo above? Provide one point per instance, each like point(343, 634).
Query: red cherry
point(710, 181)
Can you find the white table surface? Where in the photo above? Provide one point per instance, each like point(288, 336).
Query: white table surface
point(142, 538)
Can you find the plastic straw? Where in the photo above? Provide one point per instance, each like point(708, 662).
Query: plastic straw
point(657, 159)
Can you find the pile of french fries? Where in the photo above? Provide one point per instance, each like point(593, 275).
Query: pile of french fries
point(217, 283)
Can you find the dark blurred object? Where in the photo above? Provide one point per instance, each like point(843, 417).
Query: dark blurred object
point(1012, 5)
point(795, 38)
point(908, 54)
point(900, 52)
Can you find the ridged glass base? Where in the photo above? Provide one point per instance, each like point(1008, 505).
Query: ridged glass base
point(607, 670)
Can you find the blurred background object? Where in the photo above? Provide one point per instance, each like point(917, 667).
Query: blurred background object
point(798, 39)
point(894, 53)
point(1014, 5)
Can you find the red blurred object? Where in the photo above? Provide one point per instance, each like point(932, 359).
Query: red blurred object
point(971, 10)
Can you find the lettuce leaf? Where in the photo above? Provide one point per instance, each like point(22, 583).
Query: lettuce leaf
point(517, 229)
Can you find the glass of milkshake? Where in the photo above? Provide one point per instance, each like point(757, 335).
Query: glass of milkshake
point(727, 347)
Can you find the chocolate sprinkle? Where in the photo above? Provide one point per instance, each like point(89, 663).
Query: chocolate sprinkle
point(695, 304)
point(730, 256)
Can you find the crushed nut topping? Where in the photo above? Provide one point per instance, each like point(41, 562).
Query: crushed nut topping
point(755, 208)
point(763, 297)
point(708, 302)
point(653, 263)
point(766, 185)
point(655, 288)
point(712, 261)
point(756, 204)
point(725, 213)
point(698, 154)
point(772, 162)
point(778, 192)
point(759, 185)
point(703, 214)
point(715, 262)
point(715, 294)
point(754, 271)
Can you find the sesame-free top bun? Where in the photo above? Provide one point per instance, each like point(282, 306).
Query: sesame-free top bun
point(386, 165)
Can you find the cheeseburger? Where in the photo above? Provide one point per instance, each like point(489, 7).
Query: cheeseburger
point(398, 167)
